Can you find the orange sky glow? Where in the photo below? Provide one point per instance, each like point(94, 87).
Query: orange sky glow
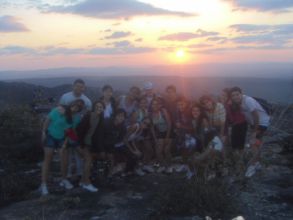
point(100, 33)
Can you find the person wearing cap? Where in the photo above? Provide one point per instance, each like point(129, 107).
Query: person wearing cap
point(148, 93)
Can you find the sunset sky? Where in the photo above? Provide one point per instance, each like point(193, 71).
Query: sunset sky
point(38, 34)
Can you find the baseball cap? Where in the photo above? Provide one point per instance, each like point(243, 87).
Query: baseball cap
point(148, 85)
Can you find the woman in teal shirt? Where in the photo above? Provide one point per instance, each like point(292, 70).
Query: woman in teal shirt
point(57, 122)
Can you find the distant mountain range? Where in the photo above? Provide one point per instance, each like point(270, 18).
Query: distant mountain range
point(22, 91)
point(261, 70)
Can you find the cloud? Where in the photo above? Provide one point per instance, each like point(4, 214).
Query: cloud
point(10, 24)
point(241, 28)
point(51, 50)
point(252, 28)
point(124, 43)
point(218, 39)
point(14, 50)
point(118, 34)
point(260, 39)
point(264, 5)
point(120, 48)
point(263, 34)
point(113, 9)
point(240, 48)
point(183, 36)
point(138, 39)
point(199, 45)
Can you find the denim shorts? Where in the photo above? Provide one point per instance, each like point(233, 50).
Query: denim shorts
point(52, 142)
point(73, 144)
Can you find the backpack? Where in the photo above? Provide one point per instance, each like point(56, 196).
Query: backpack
point(268, 107)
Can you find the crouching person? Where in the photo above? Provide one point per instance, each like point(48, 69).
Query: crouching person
point(113, 141)
point(212, 154)
point(126, 153)
point(136, 132)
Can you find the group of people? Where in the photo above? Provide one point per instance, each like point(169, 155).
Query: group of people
point(141, 132)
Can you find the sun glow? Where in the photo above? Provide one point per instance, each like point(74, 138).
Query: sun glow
point(179, 56)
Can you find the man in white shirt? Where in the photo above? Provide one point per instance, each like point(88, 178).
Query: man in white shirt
point(67, 98)
point(76, 93)
point(259, 120)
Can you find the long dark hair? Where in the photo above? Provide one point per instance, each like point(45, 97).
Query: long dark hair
point(97, 102)
point(201, 117)
point(68, 112)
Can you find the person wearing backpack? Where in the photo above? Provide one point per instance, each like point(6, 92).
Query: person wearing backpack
point(258, 119)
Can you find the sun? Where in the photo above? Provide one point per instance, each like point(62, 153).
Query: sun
point(180, 54)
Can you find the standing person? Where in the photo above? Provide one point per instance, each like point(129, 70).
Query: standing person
point(170, 100)
point(216, 114)
point(57, 122)
point(109, 102)
point(182, 121)
point(200, 124)
point(259, 121)
point(148, 93)
point(76, 93)
point(90, 132)
point(161, 129)
point(129, 103)
point(238, 126)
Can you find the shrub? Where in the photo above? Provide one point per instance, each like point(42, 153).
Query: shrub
point(195, 197)
point(18, 124)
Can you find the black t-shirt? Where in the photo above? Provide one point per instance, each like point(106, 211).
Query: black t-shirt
point(113, 133)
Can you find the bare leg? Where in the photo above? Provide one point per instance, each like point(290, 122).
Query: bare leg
point(48, 155)
point(167, 151)
point(87, 165)
point(64, 162)
point(160, 150)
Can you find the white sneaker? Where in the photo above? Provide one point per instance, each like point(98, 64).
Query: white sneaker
point(211, 176)
point(161, 169)
point(251, 170)
point(44, 189)
point(148, 168)
point(66, 184)
point(139, 172)
point(180, 168)
point(89, 187)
